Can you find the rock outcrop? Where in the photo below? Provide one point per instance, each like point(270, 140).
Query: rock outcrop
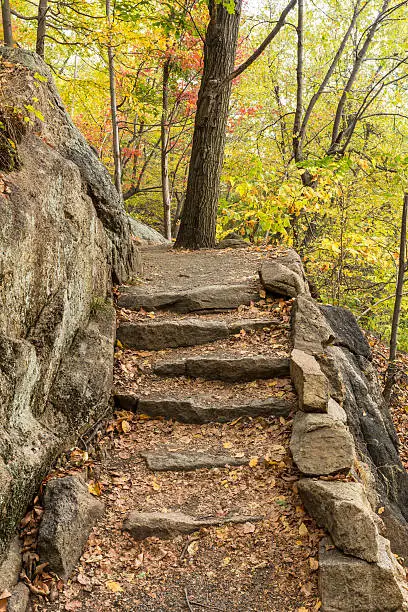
point(331, 360)
point(64, 238)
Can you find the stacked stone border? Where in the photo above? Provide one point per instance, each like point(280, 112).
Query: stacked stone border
point(357, 570)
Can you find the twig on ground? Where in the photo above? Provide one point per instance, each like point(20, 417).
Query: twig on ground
point(187, 600)
point(187, 544)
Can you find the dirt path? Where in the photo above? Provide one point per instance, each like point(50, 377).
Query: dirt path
point(265, 563)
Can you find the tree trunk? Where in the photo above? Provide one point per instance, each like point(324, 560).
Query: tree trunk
point(297, 147)
point(165, 135)
point(114, 116)
point(7, 27)
point(198, 222)
point(41, 27)
point(391, 371)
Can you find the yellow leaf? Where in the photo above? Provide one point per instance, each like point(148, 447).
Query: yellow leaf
point(113, 586)
point(125, 426)
point(253, 462)
point(303, 609)
point(226, 561)
point(381, 510)
point(156, 486)
point(95, 488)
point(303, 530)
point(262, 293)
point(119, 344)
point(314, 564)
point(227, 445)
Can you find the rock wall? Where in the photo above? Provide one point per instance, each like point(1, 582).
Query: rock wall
point(64, 237)
point(344, 443)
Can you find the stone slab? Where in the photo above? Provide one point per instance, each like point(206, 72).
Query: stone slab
point(284, 275)
point(11, 566)
point(167, 525)
point(230, 369)
point(172, 333)
point(190, 411)
point(211, 297)
point(186, 461)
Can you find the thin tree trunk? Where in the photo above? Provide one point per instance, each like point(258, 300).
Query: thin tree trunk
point(41, 27)
point(7, 27)
point(297, 148)
point(336, 133)
point(165, 135)
point(391, 371)
point(114, 117)
point(198, 222)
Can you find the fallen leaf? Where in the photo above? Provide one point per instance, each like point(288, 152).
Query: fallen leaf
point(253, 462)
point(113, 586)
point(262, 293)
point(156, 486)
point(227, 445)
point(126, 427)
point(381, 510)
point(314, 564)
point(226, 561)
point(73, 605)
point(95, 488)
point(248, 528)
point(303, 530)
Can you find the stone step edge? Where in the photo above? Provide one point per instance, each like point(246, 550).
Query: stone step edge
point(230, 369)
point(205, 298)
point(167, 525)
point(188, 411)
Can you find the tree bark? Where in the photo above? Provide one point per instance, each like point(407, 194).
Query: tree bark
point(198, 222)
point(297, 148)
point(165, 135)
point(7, 27)
point(391, 371)
point(114, 116)
point(41, 27)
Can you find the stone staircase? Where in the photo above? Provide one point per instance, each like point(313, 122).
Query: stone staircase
point(215, 356)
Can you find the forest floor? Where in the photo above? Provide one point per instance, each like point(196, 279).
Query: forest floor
point(263, 566)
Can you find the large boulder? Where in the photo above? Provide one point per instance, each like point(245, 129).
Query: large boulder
point(70, 512)
point(343, 510)
point(64, 239)
point(146, 234)
point(349, 584)
point(284, 275)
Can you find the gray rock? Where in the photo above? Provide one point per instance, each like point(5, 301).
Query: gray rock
point(167, 525)
point(321, 445)
point(336, 411)
point(310, 330)
point(346, 330)
point(214, 297)
point(165, 460)
point(65, 239)
point(20, 599)
point(233, 243)
point(191, 411)
point(284, 275)
point(157, 335)
point(349, 584)
point(343, 510)
point(231, 369)
point(310, 383)
point(396, 531)
point(11, 566)
point(70, 512)
point(145, 233)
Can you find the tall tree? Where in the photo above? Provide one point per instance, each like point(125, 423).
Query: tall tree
point(198, 222)
point(7, 27)
point(41, 27)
